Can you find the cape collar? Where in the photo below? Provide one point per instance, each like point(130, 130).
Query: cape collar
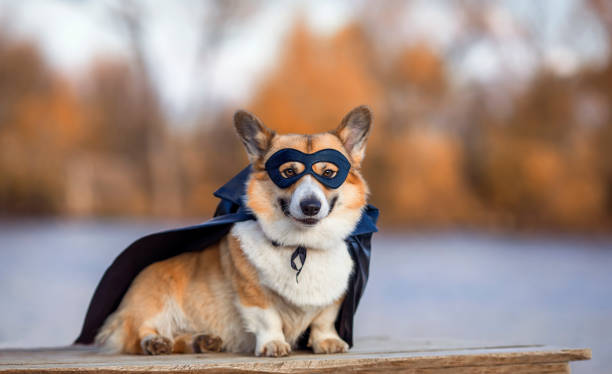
point(235, 189)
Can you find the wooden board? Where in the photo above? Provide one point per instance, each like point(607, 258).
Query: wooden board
point(368, 356)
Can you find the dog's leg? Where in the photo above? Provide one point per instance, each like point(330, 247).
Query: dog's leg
point(267, 326)
point(323, 335)
point(255, 308)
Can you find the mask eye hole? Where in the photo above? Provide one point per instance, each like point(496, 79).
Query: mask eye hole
point(325, 169)
point(291, 169)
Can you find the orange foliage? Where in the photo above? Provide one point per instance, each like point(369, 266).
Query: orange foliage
point(437, 156)
point(421, 67)
point(426, 180)
point(41, 124)
point(317, 81)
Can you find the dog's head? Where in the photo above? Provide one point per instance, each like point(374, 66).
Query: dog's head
point(306, 189)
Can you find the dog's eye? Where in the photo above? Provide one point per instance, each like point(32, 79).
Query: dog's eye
point(329, 173)
point(291, 169)
point(289, 172)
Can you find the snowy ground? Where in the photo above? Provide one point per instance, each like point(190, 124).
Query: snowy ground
point(452, 286)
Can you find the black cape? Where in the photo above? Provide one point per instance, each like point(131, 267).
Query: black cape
point(163, 245)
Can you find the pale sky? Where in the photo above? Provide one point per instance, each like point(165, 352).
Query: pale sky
point(74, 32)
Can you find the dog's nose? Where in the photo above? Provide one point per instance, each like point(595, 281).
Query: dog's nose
point(310, 206)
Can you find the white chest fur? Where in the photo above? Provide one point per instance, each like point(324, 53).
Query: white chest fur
point(324, 276)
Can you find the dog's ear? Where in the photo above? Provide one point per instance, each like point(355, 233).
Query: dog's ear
point(353, 132)
point(254, 135)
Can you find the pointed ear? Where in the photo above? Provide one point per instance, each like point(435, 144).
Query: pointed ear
point(254, 135)
point(354, 130)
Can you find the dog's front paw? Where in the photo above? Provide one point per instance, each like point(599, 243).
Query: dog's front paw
point(274, 348)
point(156, 345)
point(330, 345)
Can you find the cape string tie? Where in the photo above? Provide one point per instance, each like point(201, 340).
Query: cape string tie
point(298, 259)
point(298, 254)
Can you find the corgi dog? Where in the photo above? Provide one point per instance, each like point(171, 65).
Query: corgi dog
point(243, 294)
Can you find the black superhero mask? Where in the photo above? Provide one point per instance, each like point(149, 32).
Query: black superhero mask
point(308, 160)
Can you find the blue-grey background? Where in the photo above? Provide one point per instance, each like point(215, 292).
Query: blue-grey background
point(455, 286)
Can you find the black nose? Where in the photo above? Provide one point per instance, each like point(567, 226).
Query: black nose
point(310, 206)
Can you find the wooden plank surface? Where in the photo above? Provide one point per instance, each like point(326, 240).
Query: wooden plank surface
point(368, 355)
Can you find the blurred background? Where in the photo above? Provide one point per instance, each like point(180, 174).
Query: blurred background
point(490, 158)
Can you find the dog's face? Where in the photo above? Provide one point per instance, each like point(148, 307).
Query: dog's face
point(297, 200)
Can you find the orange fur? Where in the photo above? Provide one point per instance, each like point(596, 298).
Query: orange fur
point(244, 277)
point(183, 344)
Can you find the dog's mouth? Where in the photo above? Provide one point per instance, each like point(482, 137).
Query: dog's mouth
point(284, 205)
point(306, 221)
